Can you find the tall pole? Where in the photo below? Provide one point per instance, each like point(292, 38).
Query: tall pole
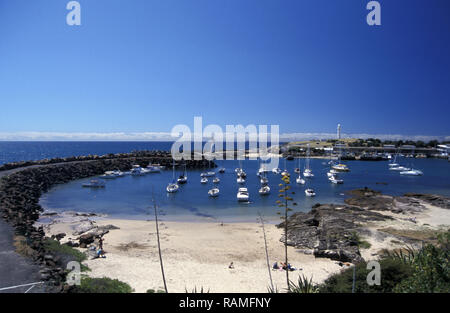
point(354, 278)
point(159, 243)
point(267, 252)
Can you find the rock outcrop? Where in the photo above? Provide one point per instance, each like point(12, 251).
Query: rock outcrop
point(330, 230)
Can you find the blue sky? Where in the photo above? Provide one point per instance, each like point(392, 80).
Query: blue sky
point(144, 66)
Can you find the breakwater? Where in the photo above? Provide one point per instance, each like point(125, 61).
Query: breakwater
point(23, 183)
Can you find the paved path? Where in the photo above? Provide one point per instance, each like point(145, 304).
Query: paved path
point(14, 268)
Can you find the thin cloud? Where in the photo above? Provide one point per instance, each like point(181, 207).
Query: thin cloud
point(166, 136)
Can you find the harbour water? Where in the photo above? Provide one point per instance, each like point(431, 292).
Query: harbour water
point(131, 196)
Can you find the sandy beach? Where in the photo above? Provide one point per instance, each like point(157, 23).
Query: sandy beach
point(197, 255)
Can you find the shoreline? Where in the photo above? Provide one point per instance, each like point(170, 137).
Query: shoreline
point(196, 255)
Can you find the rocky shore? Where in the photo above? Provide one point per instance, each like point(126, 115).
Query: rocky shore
point(333, 231)
point(23, 183)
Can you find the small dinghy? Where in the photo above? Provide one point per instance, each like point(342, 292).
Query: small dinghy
point(94, 184)
point(214, 192)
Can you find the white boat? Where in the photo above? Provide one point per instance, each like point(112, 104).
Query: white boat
point(222, 170)
point(264, 180)
point(393, 163)
point(240, 180)
point(307, 173)
point(310, 192)
point(340, 167)
point(276, 170)
point(242, 194)
point(153, 169)
point(109, 175)
point(285, 172)
point(299, 179)
point(264, 190)
point(241, 173)
point(182, 179)
point(119, 173)
point(335, 180)
point(204, 180)
point(173, 186)
point(137, 171)
point(94, 183)
point(214, 192)
point(216, 180)
point(332, 173)
point(208, 174)
point(297, 170)
point(400, 168)
point(412, 172)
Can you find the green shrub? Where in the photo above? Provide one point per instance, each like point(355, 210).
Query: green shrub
point(304, 285)
point(431, 272)
point(393, 271)
point(54, 246)
point(102, 285)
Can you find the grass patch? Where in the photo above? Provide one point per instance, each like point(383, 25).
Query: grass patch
point(102, 285)
point(66, 252)
point(362, 244)
point(153, 291)
point(426, 235)
point(22, 247)
point(54, 246)
point(130, 246)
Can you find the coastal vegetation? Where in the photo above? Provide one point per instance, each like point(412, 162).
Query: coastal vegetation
point(101, 285)
point(407, 270)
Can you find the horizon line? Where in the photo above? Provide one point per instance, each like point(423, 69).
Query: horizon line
point(166, 136)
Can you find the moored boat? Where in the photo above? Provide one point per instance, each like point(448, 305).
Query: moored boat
point(94, 183)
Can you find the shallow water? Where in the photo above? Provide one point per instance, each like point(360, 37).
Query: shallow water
point(131, 197)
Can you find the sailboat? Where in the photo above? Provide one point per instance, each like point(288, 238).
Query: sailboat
point(264, 190)
point(310, 192)
point(285, 172)
point(182, 179)
point(307, 173)
point(214, 192)
point(173, 186)
point(394, 163)
point(299, 179)
point(335, 180)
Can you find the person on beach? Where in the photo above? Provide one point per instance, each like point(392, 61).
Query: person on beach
point(231, 266)
point(275, 266)
point(100, 243)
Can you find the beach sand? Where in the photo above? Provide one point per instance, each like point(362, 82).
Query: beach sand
point(197, 255)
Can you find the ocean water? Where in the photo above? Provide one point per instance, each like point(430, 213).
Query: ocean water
point(14, 151)
point(131, 197)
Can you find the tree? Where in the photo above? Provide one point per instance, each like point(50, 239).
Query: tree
point(284, 203)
